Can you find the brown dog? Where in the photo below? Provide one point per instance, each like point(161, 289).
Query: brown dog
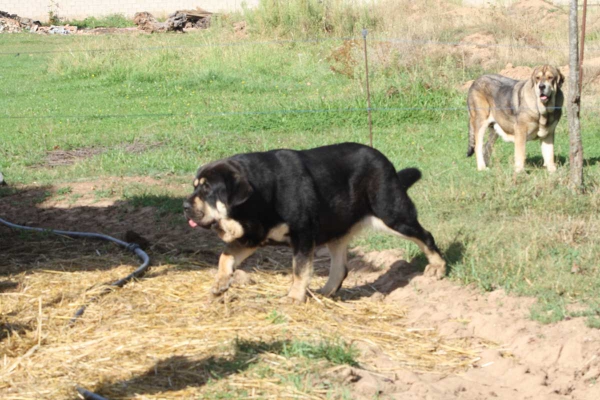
point(517, 111)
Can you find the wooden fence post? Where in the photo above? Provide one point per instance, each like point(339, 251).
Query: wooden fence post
point(574, 103)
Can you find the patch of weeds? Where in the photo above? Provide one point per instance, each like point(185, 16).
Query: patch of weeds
point(7, 191)
point(276, 318)
point(548, 310)
point(231, 393)
point(42, 197)
point(593, 322)
point(164, 204)
point(104, 193)
point(592, 314)
point(109, 21)
point(64, 191)
point(74, 198)
point(335, 352)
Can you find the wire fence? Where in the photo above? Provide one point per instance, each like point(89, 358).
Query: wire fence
point(194, 114)
point(403, 41)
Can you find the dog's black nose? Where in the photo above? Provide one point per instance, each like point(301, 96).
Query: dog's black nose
point(186, 205)
point(542, 86)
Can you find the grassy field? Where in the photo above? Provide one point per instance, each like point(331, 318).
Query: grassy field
point(161, 105)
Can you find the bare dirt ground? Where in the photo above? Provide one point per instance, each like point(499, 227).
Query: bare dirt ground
point(515, 358)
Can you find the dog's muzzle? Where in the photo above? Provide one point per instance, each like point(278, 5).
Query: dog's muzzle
point(190, 214)
point(545, 92)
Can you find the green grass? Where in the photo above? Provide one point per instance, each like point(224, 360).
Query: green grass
point(109, 21)
point(304, 372)
point(204, 101)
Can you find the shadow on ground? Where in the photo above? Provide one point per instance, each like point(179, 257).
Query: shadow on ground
point(177, 373)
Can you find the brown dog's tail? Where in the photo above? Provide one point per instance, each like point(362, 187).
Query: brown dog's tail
point(471, 148)
point(409, 177)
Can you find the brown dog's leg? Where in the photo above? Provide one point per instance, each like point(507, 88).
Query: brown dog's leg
point(233, 255)
point(480, 129)
point(520, 141)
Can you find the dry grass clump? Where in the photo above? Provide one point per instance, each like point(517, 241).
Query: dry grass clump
point(161, 338)
point(458, 41)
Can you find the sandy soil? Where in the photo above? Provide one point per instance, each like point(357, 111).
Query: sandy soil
point(531, 361)
point(523, 359)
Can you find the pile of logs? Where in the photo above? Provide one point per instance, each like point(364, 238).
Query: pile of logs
point(177, 22)
point(12, 23)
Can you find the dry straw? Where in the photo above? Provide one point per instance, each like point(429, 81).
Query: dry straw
point(160, 337)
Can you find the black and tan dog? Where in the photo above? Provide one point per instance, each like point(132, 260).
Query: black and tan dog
point(517, 111)
point(304, 199)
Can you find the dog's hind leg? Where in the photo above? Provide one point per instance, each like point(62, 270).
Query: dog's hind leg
point(489, 146)
point(413, 231)
point(233, 255)
point(480, 129)
point(337, 271)
point(417, 234)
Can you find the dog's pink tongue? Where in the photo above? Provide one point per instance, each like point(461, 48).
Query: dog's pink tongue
point(544, 98)
point(192, 223)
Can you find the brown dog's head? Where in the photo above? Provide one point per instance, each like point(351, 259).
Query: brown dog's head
point(546, 81)
point(218, 187)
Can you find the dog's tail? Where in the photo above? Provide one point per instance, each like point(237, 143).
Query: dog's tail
point(471, 148)
point(409, 177)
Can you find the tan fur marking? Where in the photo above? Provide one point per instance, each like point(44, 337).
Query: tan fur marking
point(300, 284)
point(279, 233)
point(196, 182)
point(230, 230)
point(230, 259)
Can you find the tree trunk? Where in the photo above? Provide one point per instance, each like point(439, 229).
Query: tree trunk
point(573, 103)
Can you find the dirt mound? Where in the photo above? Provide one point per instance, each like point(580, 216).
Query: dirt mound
point(591, 73)
point(479, 49)
point(533, 6)
point(545, 13)
point(519, 72)
point(529, 360)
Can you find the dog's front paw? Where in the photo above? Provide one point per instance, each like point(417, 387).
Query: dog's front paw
point(292, 299)
point(221, 285)
point(437, 271)
point(551, 168)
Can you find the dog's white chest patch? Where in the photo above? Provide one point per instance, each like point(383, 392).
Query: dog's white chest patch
point(279, 233)
point(500, 132)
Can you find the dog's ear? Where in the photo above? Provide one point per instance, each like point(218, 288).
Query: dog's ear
point(240, 190)
point(533, 75)
point(560, 79)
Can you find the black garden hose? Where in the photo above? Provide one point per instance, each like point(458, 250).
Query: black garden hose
point(87, 395)
point(133, 247)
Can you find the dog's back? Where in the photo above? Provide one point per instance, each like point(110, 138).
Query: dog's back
point(336, 186)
